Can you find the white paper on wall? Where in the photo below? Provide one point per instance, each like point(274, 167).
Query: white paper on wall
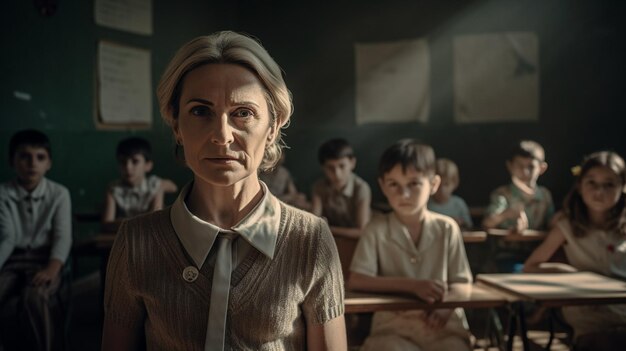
point(133, 16)
point(124, 84)
point(392, 82)
point(496, 77)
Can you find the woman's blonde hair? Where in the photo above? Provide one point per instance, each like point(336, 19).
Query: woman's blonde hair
point(232, 48)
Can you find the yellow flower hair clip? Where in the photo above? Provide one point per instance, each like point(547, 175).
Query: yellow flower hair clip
point(576, 171)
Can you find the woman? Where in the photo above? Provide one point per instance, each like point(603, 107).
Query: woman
point(264, 275)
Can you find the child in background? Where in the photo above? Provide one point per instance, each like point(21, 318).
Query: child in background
point(446, 203)
point(35, 241)
point(134, 193)
point(280, 183)
point(414, 251)
point(522, 204)
point(342, 197)
point(593, 236)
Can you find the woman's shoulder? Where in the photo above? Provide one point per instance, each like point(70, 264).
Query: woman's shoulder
point(148, 223)
point(295, 217)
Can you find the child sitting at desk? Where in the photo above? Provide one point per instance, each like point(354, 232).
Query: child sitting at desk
point(342, 197)
point(134, 193)
point(593, 236)
point(522, 204)
point(280, 183)
point(414, 251)
point(35, 241)
point(444, 201)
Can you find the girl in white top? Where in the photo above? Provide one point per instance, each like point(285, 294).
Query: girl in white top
point(593, 236)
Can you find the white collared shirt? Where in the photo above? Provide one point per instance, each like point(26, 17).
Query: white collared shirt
point(31, 220)
point(259, 229)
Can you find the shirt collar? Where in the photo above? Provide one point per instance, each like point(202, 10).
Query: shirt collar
point(400, 233)
point(19, 193)
point(348, 190)
point(259, 227)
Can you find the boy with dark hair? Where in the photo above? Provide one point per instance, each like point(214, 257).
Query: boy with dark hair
point(523, 204)
point(342, 197)
point(412, 251)
point(35, 241)
point(134, 193)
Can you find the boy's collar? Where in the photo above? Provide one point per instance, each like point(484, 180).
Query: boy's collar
point(18, 192)
point(348, 189)
point(517, 191)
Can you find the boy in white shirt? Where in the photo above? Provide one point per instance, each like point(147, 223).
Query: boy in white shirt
point(412, 251)
point(35, 241)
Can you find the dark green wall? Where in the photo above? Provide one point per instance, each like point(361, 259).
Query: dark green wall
point(582, 55)
point(53, 59)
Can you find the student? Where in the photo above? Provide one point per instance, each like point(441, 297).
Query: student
point(134, 193)
point(593, 236)
point(446, 203)
point(342, 197)
point(228, 266)
point(35, 241)
point(280, 183)
point(413, 251)
point(522, 204)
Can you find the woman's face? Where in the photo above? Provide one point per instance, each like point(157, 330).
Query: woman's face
point(223, 123)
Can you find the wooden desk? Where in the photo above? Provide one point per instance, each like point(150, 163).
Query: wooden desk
point(462, 295)
point(555, 290)
point(526, 235)
point(474, 236)
point(559, 289)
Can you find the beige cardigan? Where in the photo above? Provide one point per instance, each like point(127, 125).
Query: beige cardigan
point(270, 299)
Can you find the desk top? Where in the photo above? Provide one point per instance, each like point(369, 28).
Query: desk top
point(526, 235)
point(459, 295)
point(559, 289)
point(474, 236)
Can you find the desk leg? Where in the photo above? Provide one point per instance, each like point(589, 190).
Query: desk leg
point(494, 330)
point(512, 328)
point(551, 329)
point(517, 318)
point(522, 326)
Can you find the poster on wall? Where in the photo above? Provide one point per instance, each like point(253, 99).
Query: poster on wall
point(124, 85)
point(392, 82)
point(496, 77)
point(133, 16)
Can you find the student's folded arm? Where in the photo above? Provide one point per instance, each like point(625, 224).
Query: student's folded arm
point(427, 290)
point(316, 205)
point(329, 336)
point(157, 201)
point(108, 215)
point(537, 262)
point(168, 186)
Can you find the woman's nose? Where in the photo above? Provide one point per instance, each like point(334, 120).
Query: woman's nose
point(222, 132)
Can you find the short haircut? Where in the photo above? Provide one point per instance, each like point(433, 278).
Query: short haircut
point(132, 146)
point(447, 169)
point(29, 137)
point(334, 149)
point(527, 149)
point(408, 153)
point(229, 48)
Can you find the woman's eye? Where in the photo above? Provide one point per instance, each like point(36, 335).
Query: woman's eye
point(200, 110)
point(243, 112)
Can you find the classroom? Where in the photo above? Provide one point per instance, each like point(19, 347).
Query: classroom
point(369, 72)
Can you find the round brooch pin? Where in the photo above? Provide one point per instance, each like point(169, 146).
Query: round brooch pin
point(190, 274)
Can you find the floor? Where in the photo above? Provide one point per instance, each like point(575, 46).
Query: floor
point(86, 324)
